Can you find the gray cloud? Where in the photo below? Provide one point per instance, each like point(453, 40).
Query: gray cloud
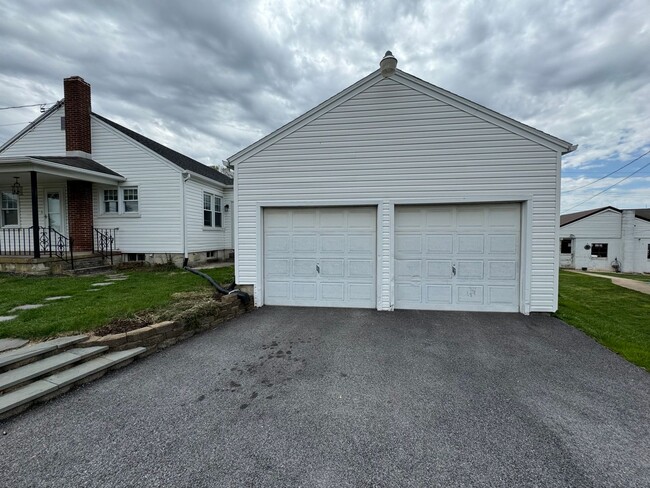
point(209, 78)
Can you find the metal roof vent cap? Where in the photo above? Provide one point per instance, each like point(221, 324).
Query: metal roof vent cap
point(388, 64)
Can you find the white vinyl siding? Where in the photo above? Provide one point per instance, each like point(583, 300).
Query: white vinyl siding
point(45, 139)
point(199, 236)
point(155, 226)
point(392, 144)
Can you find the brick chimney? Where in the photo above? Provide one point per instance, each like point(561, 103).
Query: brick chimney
point(76, 94)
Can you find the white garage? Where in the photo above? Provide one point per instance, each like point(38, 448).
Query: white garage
point(397, 194)
point(457, 257)
point(320, 256)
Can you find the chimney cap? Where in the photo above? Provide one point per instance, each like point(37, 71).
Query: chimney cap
point(388, 64)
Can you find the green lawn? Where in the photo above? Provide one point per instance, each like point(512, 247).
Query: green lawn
point(146, 289)
point(616, 317)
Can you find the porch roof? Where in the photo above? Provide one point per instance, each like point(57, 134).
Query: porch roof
point(66, 166)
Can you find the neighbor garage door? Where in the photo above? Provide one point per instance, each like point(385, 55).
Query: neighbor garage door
point(320, 256)
point(461, 257)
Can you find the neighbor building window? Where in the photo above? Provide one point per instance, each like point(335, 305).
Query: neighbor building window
point(110, 201)
point(130, 197)
point(211, 210)
point(599, 250)
point(648, 251)
point(9, 209)
point(565, 246)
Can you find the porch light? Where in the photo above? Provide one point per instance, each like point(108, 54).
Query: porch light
point(226, 207)
point(16, 188)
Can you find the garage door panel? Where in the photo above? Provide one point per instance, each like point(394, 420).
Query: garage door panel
point(438, 294)
point(469, 270)
point(439, 244)
point(481, 242)
point(439, 269)
point(502, 270)
point(502, 244)
point(408, 243)
point(470, 294)
point(320, 257)
point(470, 244)
point(361, 268)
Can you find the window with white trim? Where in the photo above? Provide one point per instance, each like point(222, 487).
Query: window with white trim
point(9, 209)
point(110, 201)
point(130, 198)
point(211, 210)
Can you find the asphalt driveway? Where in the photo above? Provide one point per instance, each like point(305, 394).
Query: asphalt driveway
point(331, 397)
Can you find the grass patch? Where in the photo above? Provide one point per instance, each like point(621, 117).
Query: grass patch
point(614, 316)
point(146, 289)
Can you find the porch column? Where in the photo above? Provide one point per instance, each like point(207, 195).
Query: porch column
point(34, 184)
point(80, 214)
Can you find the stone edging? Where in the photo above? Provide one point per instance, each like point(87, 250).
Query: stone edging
point(164, 334)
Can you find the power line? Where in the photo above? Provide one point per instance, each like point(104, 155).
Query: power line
point(609, 187)
point(16, 123)
point(25, 106)
point(607, 175)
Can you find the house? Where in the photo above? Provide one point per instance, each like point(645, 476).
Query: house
point(397, 194)
point(606, 238)
point(75, 182)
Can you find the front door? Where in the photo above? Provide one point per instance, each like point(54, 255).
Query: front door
point(54, 210)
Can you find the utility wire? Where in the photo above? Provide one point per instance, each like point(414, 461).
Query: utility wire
point(609, 187)
point(25, 106)
point(607, 175)
point(16, 123)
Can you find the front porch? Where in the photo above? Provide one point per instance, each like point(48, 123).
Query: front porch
point(46, 212)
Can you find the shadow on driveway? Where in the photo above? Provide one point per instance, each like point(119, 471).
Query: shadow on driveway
point(340, 397)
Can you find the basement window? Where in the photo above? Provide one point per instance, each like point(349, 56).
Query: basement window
point(565, 246)
point(599, 250)
point(210, 254)
point(135, 257)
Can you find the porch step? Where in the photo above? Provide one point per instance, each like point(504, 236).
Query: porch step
point(21, 375)
point(19, 357)
point(58, 383)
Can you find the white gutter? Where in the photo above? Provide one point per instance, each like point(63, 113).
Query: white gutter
point(185, 177)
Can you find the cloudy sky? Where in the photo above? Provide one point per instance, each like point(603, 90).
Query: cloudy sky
point(210, 77)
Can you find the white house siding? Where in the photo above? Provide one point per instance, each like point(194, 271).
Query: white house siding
point(603, 227)
point(642, 241)
point(157, 227)
point(45, 139)
point(392, 144)
point(200, 238)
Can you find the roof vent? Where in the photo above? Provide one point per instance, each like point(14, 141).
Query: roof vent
point(388, 64)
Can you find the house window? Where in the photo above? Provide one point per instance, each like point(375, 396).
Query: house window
point(110, 201)
point(9, 209)
point(648, 251)
point(130, 197)
point(598, 250)
point(210, 254)
point(565, 246)
point(211, 210)
point(135, 257)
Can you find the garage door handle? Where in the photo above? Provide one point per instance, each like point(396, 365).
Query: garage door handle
point(317, 268)
point(453, 269)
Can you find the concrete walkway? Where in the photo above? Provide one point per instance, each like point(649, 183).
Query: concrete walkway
point(640, 286)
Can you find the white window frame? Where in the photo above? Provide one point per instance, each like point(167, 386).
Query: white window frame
point(121, 205)
point(216, 208)
point(17, 209)
point(103, 201)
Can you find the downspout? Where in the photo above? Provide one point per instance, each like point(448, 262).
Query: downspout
point(184, 179)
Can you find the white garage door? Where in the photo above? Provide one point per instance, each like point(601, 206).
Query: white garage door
point(322, 257)
point(461, 257)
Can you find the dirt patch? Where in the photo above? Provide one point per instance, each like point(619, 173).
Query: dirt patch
point(184, 306)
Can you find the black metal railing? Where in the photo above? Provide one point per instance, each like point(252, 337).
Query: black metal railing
point(19, 241)
point(104, 242)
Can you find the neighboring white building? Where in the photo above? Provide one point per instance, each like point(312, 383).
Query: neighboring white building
point(397, 194)
point(89, 177)
point(601, 238)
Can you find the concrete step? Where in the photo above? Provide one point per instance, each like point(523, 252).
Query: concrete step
point(18, 357)
point(21, 375)
point(9, 344)
point(58, 383)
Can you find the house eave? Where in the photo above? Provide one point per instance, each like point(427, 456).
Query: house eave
point(9, 164)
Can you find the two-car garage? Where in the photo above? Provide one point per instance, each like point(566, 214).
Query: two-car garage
point(445, 257)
